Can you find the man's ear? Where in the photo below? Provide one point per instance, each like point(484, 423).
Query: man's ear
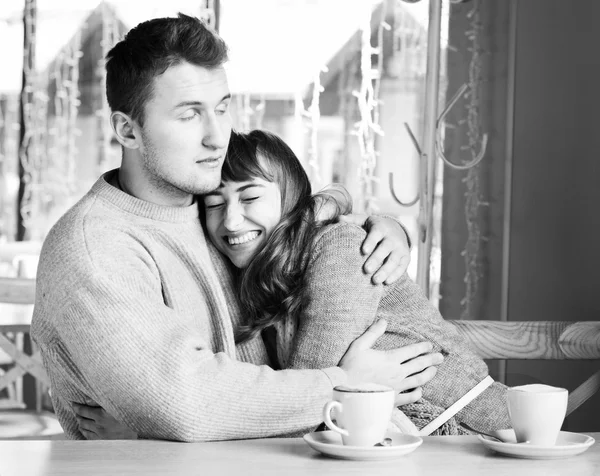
point(125, 130)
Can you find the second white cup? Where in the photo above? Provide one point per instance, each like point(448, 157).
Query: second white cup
point(362, 413)
point(537, 412)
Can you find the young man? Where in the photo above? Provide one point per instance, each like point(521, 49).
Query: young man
point(134, 309)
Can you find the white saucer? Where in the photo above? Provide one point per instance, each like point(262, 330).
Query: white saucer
point(567, 444)
point(330, 443)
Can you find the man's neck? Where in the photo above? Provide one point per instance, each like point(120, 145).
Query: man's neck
point(124, 181)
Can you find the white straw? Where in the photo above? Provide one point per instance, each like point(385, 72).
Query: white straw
point(456, 406)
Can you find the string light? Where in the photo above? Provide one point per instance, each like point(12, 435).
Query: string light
point(26, 159)
point(3, 134)
point(3, 140)
point(110, 36)
point(348, 111)
point(473, 194)
point(311, 118)
point(315, 119)
point(72, 107)
point(9, 145)
point(368, 128)
point(38, 157)
point(62, 151)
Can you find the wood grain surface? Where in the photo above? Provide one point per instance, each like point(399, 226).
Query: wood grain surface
point(532, 339)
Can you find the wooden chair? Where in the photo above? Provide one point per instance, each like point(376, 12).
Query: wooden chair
point(538, 340)
point(17, 296)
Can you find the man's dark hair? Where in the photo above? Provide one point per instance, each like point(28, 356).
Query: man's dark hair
point(148, 50)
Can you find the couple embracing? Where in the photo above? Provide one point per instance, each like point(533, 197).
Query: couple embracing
point(203, 292)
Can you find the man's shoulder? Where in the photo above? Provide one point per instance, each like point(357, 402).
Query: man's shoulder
point(68, 227)
point(90, 236)
point(89, 217)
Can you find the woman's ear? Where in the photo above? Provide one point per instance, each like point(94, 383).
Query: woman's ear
point(125, 130)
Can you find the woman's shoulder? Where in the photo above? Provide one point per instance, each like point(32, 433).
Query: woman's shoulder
point(340, 236)
point(338, 247)
point(341, 229)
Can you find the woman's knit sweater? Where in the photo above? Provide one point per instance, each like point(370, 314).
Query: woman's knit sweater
point(340, 302)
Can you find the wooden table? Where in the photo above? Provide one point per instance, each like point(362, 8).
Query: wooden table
point(437, 456)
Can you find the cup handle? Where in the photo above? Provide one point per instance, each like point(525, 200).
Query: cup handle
point(327, 417)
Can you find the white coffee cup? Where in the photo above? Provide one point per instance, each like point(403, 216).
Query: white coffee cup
point(362, 413)
point(537, 412)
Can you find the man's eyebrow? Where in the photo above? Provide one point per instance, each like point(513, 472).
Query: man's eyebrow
point(199, 103)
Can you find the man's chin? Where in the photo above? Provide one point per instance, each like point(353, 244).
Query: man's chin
point(205, 186)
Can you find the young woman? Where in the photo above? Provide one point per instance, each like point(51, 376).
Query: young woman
point(302, 286)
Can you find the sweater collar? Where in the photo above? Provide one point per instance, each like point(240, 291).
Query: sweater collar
point(142, 208)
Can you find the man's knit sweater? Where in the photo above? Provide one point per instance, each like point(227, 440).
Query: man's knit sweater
point(134, 312)
point(341, 302)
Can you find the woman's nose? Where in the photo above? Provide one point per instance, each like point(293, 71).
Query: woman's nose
point(233, 218)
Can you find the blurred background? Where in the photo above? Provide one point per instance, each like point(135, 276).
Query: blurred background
point(295, 69)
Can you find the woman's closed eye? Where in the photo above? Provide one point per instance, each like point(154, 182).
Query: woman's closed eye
point(213, 206)
point(249, 199)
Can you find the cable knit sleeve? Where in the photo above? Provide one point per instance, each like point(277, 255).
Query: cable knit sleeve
point(341, 302)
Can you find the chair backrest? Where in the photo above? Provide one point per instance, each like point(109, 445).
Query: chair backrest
point(532, 339)
point(17, 291)
point(17, 296)
point(538, 340)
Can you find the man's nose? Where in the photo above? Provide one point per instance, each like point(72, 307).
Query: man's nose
point(215, 133)
point(234, 218)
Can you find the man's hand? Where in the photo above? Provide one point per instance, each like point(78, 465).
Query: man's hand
point(387, 244)
point(405, 369)
point(96, 424)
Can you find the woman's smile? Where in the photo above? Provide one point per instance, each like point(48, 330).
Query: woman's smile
point(241, 239)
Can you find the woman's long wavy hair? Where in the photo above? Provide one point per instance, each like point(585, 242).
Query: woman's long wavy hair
point(271, 287)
